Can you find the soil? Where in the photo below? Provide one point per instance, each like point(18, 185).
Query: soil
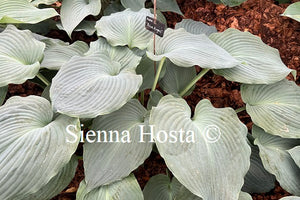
point(260, 17)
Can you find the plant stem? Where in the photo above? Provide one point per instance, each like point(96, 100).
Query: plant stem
point(240, 109)
point(142, 97)
point(43, 79)
point(161, 64)
point(194, 81)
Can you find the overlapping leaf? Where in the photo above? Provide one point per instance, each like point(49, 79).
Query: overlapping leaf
point(293, 11)
point(274, 107)
point(125, 28)
point(273, 151)
point(177, 78)
point(259, 63)
point(56, 184)
point(38, 2)
point(295, 153)
point(146, 69)
point(168, 5)
point(196, 27)
point(34, 145)
point(3, 91)
point(160, 187)
point(58, 54)
point(74, 11)
point(126, 189)
point(95, 84)
point(22, 11)
point(134, 5)
point(290, 198)
point(217, 156)
point(185, 50)
point(116, 153)
point(257, 179)
point(20, 54)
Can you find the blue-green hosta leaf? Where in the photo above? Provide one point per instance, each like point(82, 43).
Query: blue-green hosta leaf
point(177, 78)
point(3, 92)
point(257, 179)
point(122, 55)
point(20, 54)
point(106, 162)
point(276, 159)
point(74, 11)
point(295, 153)
point(211, 152)
point(134, 5)
point(244, 196)
point(154, 98)
point(22, 11)
point(290, 198)
point(58, 54)
point(125, 28)
point(87, 26)
point(160, 187)
point(113, 7)
point(196, 27)
point(38, 2)
point(274, 107)
point(259, 63)
point(34, 145)
point(185, 50)
point(293, 11)
point(168, 5)
point(126, 189)
point(56, 184)
point(94, 85)
point(146, 69)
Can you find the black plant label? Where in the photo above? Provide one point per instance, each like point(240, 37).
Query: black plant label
point(155, 26)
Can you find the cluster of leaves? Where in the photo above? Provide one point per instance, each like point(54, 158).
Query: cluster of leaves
point(96, 85)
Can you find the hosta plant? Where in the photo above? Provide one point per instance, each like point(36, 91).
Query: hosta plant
point(94, 94)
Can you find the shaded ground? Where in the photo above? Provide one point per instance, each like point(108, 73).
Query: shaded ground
point(260, 17)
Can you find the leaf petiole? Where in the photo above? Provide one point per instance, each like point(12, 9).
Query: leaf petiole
point(161, 64)
point(43, 79)
point(194, 81)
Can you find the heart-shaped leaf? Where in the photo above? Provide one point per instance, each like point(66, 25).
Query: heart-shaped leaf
point(160, 187)
point(20, 54)
point(125, 28)
point(185, 50)
point(204, 152)
point(119, 150)
point(259, 63)
point(34, 145)
point(275, 107)
point(58, 54)
point(273, 151)
point(126, 189)
point(196, 27)
point(95, 84)
point(74, 11)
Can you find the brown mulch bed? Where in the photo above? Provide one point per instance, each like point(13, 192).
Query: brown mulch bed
point(260, 17)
